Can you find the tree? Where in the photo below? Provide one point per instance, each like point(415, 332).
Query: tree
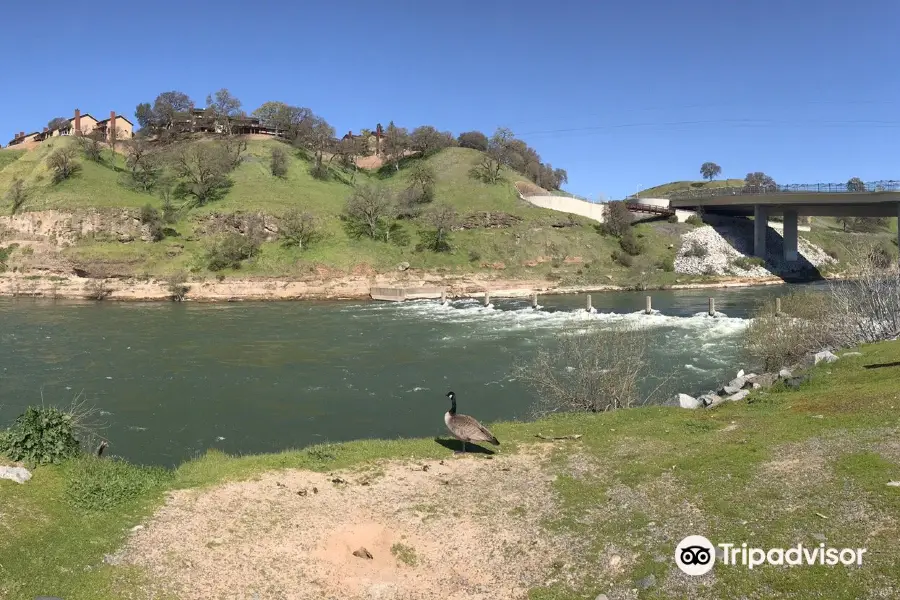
point(91, 145)
point(143, 164)
point(617, 219)
point(316, 136)
point(63, 164)
point(112, 137)
point(58, 123)
point(421, 181)
point(204, 166)
point(299, 229)
point(234, 148)
point(561, 177)
point(442, 219)
point(427, 140)
point(167, 105)
point(855, 184)
point(710, 170)
point(279, 163)
point(473, 139)
point(144, 115)
point(225, 107)
point(488, 169)
point(370, 211)
point(16, 195)
point(284, 118)
point(758, 179)
point(394, 144)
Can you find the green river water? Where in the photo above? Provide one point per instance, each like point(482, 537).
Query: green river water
point(174, 379)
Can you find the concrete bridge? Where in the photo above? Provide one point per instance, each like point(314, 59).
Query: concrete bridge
point(876, 199)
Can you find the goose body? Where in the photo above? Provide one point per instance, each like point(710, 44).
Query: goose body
point(465, 428)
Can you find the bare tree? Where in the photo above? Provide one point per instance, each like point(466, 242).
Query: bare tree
point(592, 371)
point(855, 184)
point(488, 169)
point(234, 149)
point(143, 164)
point(316, 136)
point(427, 140)
point(370, 211)
point(421, 182)
point(710, 170)
point(617, 218)
point(284, 118)
point(299, 228)
point(204, 166)
point(92, 145)
point(63, 164)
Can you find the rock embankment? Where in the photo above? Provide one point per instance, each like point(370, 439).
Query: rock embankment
point(726, 248)
point(743, 384)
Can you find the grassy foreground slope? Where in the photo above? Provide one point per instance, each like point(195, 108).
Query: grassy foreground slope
point(535, 243)
point(807, 466)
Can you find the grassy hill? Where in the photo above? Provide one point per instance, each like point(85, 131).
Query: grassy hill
point(537, 244)
point(680, 186)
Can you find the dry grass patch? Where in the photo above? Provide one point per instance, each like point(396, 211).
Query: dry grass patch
point(292, 534)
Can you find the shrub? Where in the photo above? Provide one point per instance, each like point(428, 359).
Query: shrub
point(622, 258)
point(591, 371)
point(695, 220)
point(748, 262)
point(62, 162)
point(672, 219)
point(97, 289)
point(178, 287)
point(299, 229)
point(617, 219)
point(474, 255)
point(279, 163)
point(229, 250)
point(631, 245)
point(100, 484)
point(41, 435)
point(473, 139)
point(805, 325)
point(153, 220)
point(15, 195)
point(667, 264)
point(696, 249)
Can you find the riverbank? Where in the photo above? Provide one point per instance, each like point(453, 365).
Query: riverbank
point(550, 518)
point(38, 284)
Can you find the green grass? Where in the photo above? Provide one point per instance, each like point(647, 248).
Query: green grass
point(760, 471)
point(680, 186)
point(7, 157)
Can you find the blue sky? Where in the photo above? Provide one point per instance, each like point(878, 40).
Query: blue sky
point(621, 94)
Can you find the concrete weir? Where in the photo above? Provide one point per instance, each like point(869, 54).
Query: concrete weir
point(399, 294)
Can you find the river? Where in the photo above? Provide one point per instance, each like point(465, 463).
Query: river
point(172, 380)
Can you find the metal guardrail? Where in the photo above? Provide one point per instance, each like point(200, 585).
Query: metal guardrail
point(759, 190)
point(649, 208)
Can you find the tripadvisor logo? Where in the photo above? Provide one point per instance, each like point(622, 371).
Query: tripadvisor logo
point(696, 555)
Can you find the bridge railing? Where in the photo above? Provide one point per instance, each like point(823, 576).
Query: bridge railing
point(773, 188)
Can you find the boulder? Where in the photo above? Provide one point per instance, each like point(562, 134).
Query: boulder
point(685, 401)
point(824, 356)
point(785, 374)
point(795, 382)
point(739, 395)
point(17, 474)
point(730, 389)
point(738, 382)
point(403, 266)
point(646, 582)
point(709, 399)
point(740, 373)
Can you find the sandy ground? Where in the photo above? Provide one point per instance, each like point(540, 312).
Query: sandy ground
point(464, 527)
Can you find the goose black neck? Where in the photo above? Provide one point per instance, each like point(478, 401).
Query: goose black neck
point(452, 405)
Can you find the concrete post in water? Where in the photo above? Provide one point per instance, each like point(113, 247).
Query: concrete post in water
point(487, 298)
point(649, 308)
point(778, 306)
point(712, 307)
point(588, 307)
point(443, 296)
point(534, 303)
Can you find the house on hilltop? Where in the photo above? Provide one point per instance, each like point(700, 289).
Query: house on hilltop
point(81, 124)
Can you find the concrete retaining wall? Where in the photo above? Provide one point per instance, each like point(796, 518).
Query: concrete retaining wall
point(569, 205)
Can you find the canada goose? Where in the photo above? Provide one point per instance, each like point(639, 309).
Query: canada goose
point(465, 428)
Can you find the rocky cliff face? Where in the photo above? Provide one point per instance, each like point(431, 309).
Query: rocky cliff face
point(63, 228)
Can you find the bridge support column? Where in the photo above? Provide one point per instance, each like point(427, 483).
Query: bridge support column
point(790, 236)
point(760, 224)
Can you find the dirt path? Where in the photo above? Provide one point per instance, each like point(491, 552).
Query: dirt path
point(464, 527)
